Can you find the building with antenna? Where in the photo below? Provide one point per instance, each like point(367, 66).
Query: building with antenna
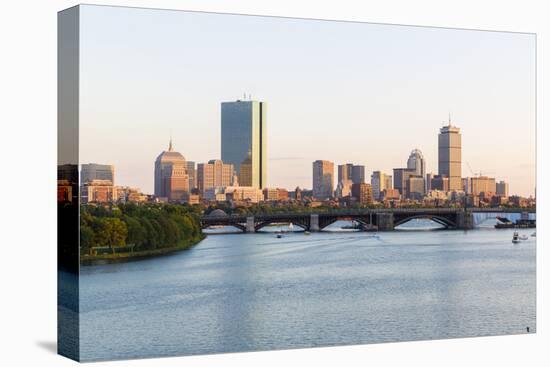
point(171, 179)
point(450, 155)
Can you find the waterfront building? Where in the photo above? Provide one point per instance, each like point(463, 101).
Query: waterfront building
point(483, 184)
point(171, 179)
point(98, 191)
point(400, 177)
point(93, 171)
point(379, 182)
point(362, 192)
point(243, 129)
point(192, 173)
point(440, 183)
point(502, 189)
point(323, 179)
point(415, 187)
point(450, 155)
point(215, 173)
point(417, 163)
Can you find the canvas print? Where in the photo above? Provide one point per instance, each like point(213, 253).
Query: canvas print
point(234, 183)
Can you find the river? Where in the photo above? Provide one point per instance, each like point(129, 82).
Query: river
point(237, 292)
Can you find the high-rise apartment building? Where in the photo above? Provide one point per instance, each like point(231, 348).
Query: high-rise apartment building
point(171, 179)
point(215, 173)
point(243, 129)
point(450, 155)
point(323, 179)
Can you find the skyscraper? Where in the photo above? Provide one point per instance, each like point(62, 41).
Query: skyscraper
point(323, 179)
point(417, 163)
point(348, 171)
point(450, 155)
point(171, 179)
point(192, 173)
point(243, 129)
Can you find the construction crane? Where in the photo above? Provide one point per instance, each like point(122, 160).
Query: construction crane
point(476, 174)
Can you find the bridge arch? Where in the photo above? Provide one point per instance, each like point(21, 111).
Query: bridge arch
point(263, 223)
point(446, 222)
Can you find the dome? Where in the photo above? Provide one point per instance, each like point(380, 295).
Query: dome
point(217, 213)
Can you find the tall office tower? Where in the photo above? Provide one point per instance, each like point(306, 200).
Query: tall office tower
point(417, 163)
point(348, 171)
point(213, 174)
point(345, 172)
point(450, 155)
point(379, 182)
point(94, 171)
point(192, 173)
point(171, 179)
point(323, 179)
point(400, 177)
point(358, 174)
point(502, 188)
point(243, 128)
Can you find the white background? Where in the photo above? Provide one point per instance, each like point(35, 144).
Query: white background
point(28, 174)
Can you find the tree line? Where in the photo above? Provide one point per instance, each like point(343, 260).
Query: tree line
point(140, 227)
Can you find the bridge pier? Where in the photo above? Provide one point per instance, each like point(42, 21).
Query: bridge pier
point(314, 223)
point(464, 220)
point(250, 228)
point(384, 221)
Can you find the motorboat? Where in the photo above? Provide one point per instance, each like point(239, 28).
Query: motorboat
point(515, 237)
point(307, 233)
point(279, 235)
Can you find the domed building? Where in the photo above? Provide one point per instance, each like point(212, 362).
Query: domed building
point(171, 178)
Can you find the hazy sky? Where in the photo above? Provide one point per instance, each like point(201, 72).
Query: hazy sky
point(346, 92)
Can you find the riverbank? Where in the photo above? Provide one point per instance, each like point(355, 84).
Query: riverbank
point(138, 255)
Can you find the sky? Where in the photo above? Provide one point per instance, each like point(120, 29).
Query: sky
point(346, 92)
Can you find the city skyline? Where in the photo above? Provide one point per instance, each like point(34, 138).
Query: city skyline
point(317, 110)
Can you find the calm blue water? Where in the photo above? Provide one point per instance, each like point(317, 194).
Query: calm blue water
point(251, 292)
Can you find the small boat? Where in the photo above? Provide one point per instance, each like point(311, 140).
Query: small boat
point(515, 238)
point(279, 236)
point(307, 233)
point(523, 237)
point(534, 234)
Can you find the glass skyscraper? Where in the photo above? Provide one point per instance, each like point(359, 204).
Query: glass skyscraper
point(243, 131)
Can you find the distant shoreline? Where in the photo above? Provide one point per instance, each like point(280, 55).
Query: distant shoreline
point(87, 260)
